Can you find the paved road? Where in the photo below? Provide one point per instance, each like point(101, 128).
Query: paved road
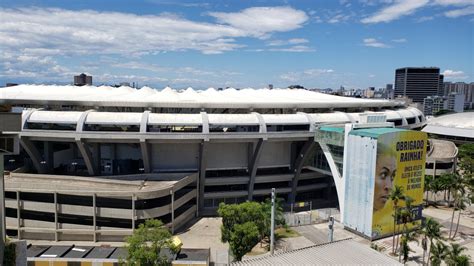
point(317, 236)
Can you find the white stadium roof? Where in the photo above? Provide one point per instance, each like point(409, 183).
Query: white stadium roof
point(459, 125)
point(189, 98)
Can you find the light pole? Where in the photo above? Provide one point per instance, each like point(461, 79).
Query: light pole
point(272, 226)
point(2, 210)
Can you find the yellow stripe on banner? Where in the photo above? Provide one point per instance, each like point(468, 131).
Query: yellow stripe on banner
point(86, 263)
point(59, 263)
point(41, 263)
point(107, 264)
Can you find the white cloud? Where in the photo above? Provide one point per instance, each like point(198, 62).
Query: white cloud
point(453, 74)
point(453, 2)
point(371, 42)
point(396, 10)
point(287, 42)
point(67, 32)
point(424, 18)
point(305, 74)
point(460, 12)
point(339, 18)
point(29, 66)
point(261, 21)
point(317, 71)
point(401, 40)
point(294, 49)
point(375, 2)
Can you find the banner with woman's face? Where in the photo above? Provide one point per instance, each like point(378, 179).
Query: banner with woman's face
point(400, 162)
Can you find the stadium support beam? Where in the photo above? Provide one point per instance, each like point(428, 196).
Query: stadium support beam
point(205, 125)
point(262, 124)
point(82, 120)
point(337, 177)
point(34, 155)
point(302, 155)
point(144, 122)
point(144, 147)
point(202, 174)
point(253, 165)
point(87, 156)
point(312, 122)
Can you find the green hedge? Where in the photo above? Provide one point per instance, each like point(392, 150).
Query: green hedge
point(9, 256)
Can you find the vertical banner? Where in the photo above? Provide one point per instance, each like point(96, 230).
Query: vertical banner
point(400, 162)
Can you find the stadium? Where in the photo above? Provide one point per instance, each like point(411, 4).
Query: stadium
point(97, 161)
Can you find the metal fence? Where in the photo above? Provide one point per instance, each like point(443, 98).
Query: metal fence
point(304, 215)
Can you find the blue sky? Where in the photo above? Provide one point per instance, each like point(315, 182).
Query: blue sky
point(202, 44)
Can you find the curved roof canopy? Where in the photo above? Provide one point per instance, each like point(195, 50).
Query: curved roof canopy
point(189, 98)
point(459, 125)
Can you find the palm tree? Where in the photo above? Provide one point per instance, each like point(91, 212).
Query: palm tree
point(448, 183)
point(406, 216)
point(406, 238)
point(431, 231)
point(428, 182)
point(454, 256)
point(435, 187)
point(461, 202)
point(439, 252)
point(456, 186)
point(396, 194)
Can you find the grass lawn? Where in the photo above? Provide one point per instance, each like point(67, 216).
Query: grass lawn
point(263, 246)
point(285, 233)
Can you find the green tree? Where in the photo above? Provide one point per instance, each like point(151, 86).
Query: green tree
point(447, 183)
point(466, 168)
point(461, 204)
point(147, 242)
point(405, 250)
point(435, 187)
point(396, 194)
point(255, 213)
point(243, 238)
point(466, 162)
point(427, 187)
point(438, 253)
point(431, 231)
point(454, 256)
point(233, 214)
point(406, 217)
point(279, 215)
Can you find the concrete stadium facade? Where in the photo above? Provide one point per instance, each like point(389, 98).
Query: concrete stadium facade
point(235, 151)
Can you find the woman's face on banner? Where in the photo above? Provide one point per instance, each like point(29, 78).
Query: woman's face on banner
point(385, 173)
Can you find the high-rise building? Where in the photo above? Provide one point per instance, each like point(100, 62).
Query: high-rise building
point(433, 104)
point(82, 80)
point(462, 88)
point(389, 91)
point(441, 86)
point(452, 102)
point(455, 102)
point(417, 83)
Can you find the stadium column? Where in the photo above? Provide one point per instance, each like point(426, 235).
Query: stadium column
point(48, 156)
point(298, 166)
point(34, 154)
point(253, 165)
point(202, 175)
point(254, 155)
point(144, 147)
point(339, 182)
point(87, 156)
point(202, 162)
